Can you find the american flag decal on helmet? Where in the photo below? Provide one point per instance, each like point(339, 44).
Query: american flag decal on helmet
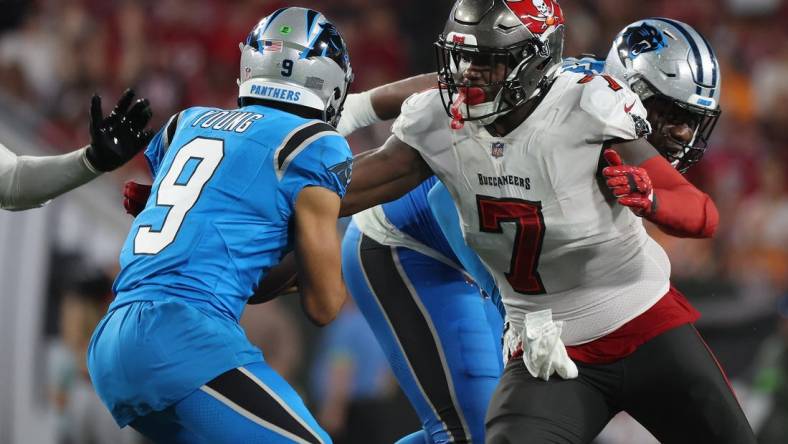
point(269, 46)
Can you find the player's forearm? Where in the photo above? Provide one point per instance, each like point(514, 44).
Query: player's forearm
point(32, 181)
point(382, 175)
point(358, 200)
point(387, 99)
point(320, 278)
point(317, 254)
point(369, 173)
point(681, 209)
point(685, 213)
point(322, 300)
point(382, 103)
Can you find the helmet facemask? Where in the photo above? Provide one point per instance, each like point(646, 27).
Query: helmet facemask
point(501, 88)
point(664, 114)
point(674, 71)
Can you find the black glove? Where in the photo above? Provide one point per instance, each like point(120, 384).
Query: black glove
point(114, 140)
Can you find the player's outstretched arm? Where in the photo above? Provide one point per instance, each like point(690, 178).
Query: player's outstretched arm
point(381, 103)
point(382, 175)
point(317, 250)
point(28, 182)
point(656, 191)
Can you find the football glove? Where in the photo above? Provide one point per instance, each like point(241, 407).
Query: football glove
point(115, 139)
point(630, 184)
point(135, 195)
point(544, 352)
point(539, 345)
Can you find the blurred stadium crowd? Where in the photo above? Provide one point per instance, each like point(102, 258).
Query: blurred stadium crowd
point(55, 53)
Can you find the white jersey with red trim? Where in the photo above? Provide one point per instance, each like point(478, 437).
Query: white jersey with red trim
point(534, 207)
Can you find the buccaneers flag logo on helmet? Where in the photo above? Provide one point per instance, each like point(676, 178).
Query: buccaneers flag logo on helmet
point(541, 17)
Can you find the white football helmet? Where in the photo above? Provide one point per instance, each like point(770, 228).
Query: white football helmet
point(296, 56)
point(669, 64)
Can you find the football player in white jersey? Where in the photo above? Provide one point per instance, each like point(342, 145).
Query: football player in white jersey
point(584, 286)
point(29, 182)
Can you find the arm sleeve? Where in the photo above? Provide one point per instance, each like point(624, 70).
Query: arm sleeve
point(681, 209)
point(326, 162)
point(357, 113)
point(29, 182)
point(445, 213)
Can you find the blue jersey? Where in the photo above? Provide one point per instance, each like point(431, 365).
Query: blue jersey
point(223, 195)
point(411, 215)
point(445, 213)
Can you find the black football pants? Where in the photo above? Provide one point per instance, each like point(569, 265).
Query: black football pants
point(672, 385)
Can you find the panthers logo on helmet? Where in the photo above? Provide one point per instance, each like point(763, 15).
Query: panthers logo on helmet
point(541, 17)
point(643, 38)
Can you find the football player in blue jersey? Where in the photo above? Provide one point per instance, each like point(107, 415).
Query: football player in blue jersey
point(441, 336)
point(233, 191)
point(439, 330)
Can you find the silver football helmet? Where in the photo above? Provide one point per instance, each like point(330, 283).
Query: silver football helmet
point(672, 68)
point(296, 56)
point(526, 37)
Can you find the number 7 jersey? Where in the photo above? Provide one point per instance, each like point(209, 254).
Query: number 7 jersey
point(224, 191)
point(535, 209)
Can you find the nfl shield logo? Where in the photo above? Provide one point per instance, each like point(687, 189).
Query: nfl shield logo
point(497, 149)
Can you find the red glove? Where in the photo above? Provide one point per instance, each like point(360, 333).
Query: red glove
point(630, 184)
point(135, 195)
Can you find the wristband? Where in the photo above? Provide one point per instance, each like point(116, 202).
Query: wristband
point(357, 113)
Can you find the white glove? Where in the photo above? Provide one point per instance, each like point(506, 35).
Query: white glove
point(544, 352)
point(357, 113)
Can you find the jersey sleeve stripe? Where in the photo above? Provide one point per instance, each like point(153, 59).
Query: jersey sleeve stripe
point(296, 141)
point(171, 126)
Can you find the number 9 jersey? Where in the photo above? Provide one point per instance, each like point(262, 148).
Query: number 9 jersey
point(224, 191)
point(532, 207)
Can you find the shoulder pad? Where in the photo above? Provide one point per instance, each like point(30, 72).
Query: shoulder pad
point(423, 116)
point(611, 102)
